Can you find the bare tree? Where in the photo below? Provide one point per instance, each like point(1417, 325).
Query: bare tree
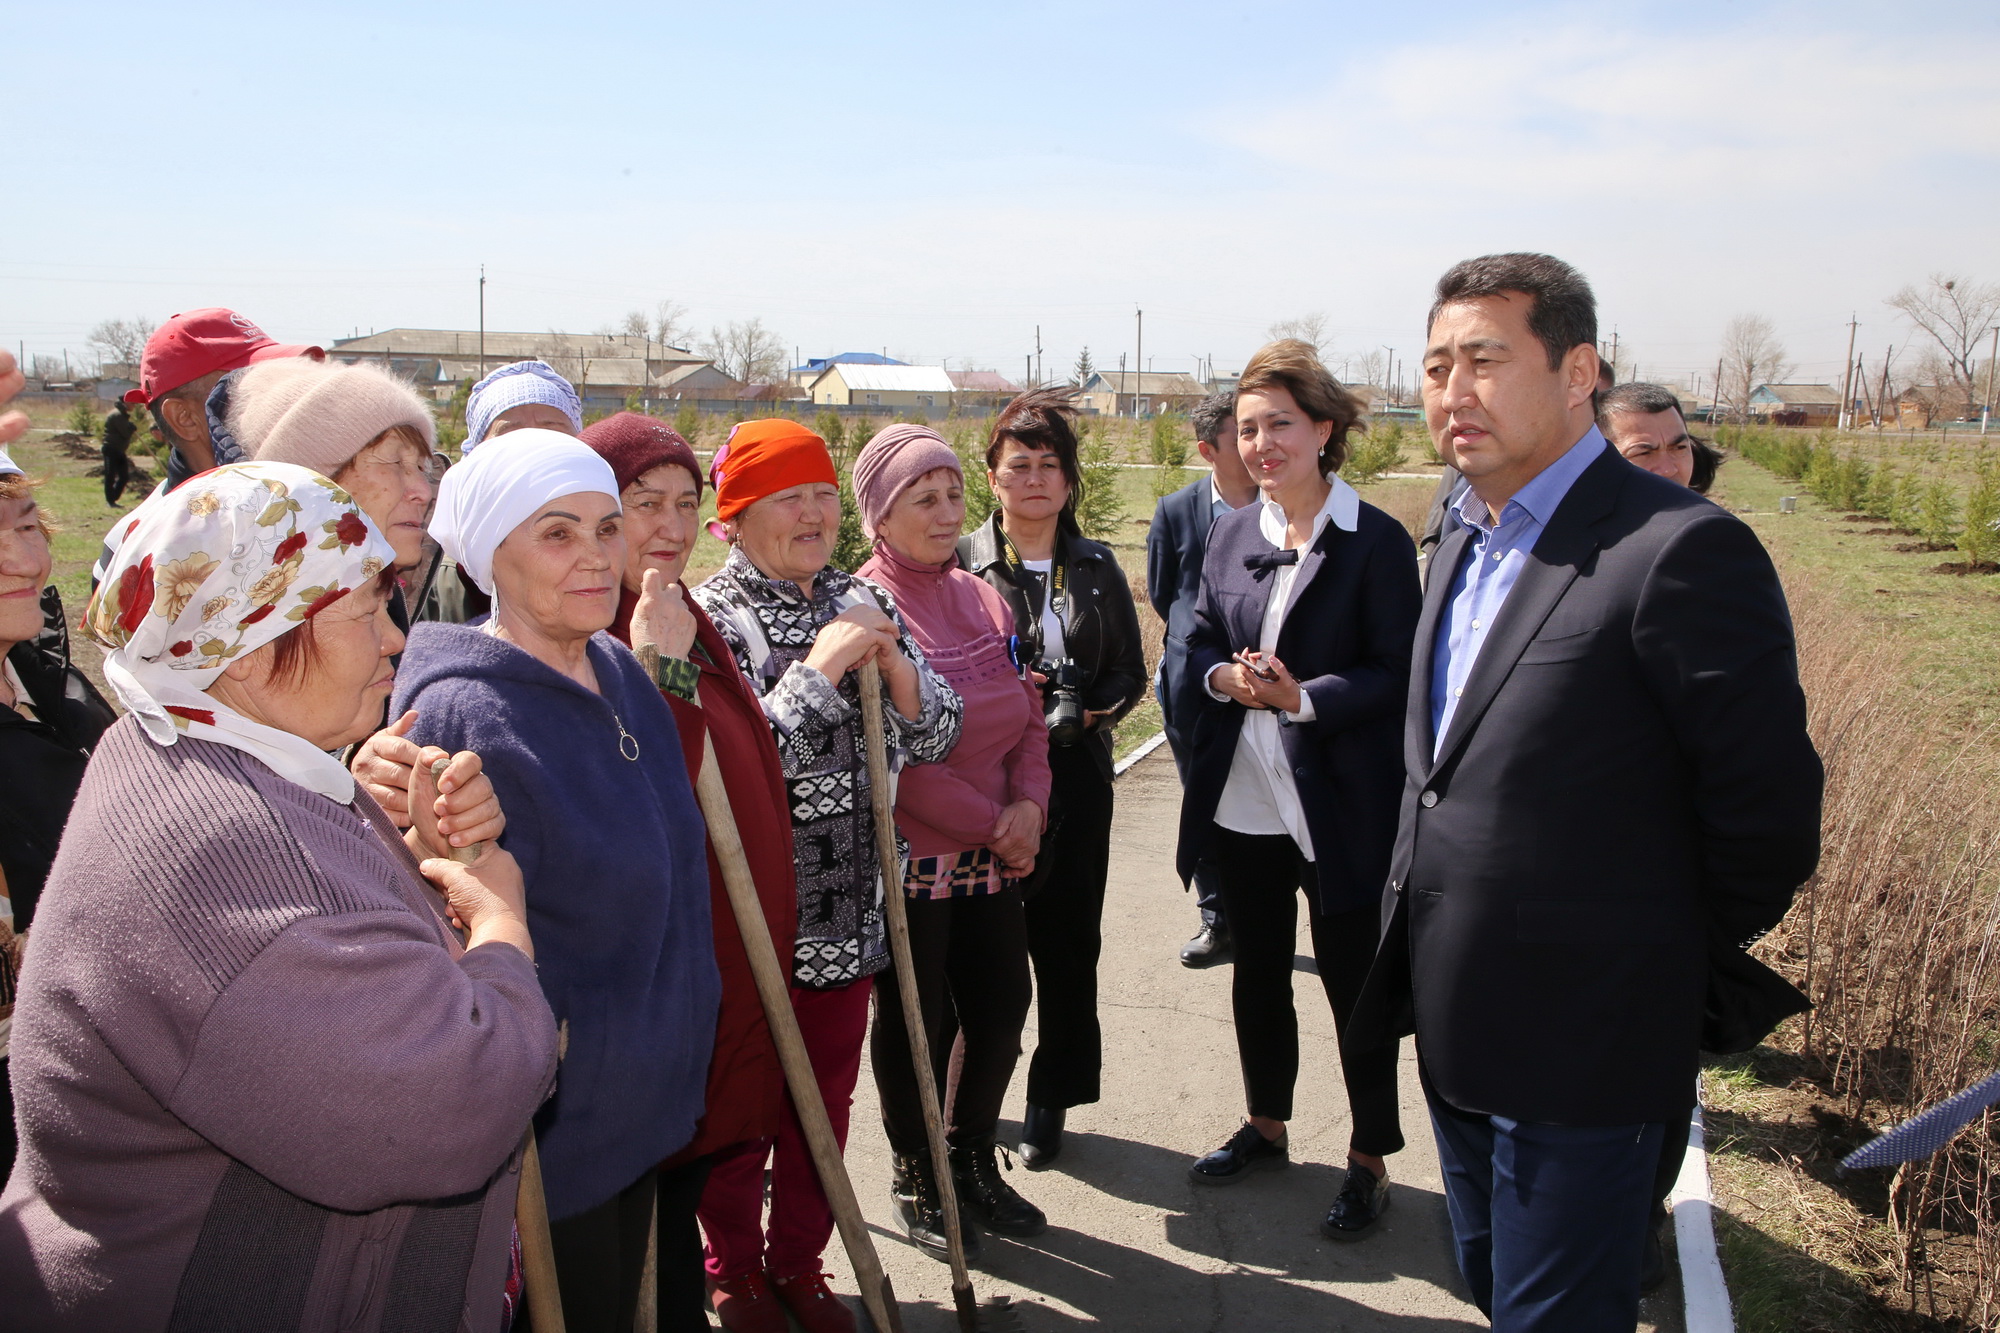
point(1307, 328)
point(746, 351)
point(121, 339)
point(1958, 314)
point(1751, 356)
point(1370, 368)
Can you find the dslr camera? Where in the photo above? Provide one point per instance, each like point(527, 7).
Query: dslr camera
point(1062, 700)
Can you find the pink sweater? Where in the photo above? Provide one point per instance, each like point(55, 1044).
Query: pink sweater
point(1002, 755)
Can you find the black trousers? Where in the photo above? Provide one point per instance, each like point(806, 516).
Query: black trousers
point(971, 960)
point(600, 1259)
point(681, 1305)
point(1065, 935)
point(117, 474)
point(1261, 876)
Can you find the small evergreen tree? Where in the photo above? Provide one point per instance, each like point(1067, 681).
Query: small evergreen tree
point(1906, 507)
point(1085, 368)
point(979, 499)
point(1979, 537)
point(1168, 448)
point(1099, 508)
point(687, 421)
point(1937, 519)
point(83, 419)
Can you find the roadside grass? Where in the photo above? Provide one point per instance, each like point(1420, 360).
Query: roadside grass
point(1950, 623)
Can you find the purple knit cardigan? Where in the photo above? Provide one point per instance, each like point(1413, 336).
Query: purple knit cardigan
point(258, 1083)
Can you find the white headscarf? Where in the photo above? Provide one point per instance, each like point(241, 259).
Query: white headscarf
point(490, 493)
point(232, 560)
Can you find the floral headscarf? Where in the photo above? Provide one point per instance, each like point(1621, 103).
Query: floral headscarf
point(232, 560)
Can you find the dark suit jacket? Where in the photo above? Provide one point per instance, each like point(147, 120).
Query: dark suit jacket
point(1625, 796)
point(1347, 639)
point(1175, 545)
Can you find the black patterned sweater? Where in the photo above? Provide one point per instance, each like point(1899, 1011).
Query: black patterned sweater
point(770, 625)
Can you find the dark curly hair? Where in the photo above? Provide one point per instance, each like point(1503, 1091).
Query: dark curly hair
point(1040, 420)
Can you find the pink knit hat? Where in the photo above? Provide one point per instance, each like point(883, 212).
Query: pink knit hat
point(893, 460)
point(320, 415)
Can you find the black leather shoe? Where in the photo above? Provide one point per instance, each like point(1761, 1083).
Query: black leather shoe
point(920, 1213)
point(985, 1194)
point(1653, 1268)
point(1247, 1150)
point(1211, 947)
point(1363, 1200)
point(1041, 1136)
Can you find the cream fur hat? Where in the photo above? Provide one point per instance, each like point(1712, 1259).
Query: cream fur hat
point(321, 414)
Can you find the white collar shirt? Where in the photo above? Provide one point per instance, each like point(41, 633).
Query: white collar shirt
point(1261, 795)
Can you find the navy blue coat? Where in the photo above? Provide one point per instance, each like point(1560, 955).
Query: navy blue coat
point(615, 856)
point(1347, 639)
point(1175, 546)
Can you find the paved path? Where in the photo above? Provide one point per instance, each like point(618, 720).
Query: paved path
point(1131, 1243)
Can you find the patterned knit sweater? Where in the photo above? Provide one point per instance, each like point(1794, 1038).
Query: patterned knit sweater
point(770, 625)
point(258, 1083)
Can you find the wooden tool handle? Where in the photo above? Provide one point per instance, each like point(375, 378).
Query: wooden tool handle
point(876, 736)
point(542, 1293)
point(774, 989)
point(469, 853)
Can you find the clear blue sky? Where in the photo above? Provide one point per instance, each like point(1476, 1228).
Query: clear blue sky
point(938, 179)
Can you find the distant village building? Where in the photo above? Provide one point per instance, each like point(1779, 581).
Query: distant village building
point(1917, 407)
point(804, 375)
point(607, 369)
point(850, 384)
point(1124, 393)
point(1796, 404)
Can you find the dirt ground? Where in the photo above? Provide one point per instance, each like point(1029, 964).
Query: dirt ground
point(1132, 1244)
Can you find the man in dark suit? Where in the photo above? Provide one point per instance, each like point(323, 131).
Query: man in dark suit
point(1175, 546)
point(1562, 942)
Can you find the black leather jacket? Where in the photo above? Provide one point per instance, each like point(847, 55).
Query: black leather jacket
point(41, 763)
point(1101, 628)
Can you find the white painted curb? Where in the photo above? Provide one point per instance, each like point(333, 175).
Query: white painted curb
point(1704, 1295)
point(1146, 747)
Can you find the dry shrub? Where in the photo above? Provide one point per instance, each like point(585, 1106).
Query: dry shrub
point(1894, 940)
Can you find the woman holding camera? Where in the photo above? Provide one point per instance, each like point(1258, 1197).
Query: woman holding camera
point(1302, 634)
point(1079, 629)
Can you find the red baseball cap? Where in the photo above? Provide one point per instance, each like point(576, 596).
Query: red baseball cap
point(200, 342)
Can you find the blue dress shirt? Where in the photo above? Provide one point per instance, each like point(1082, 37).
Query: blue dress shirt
point(1492, 562)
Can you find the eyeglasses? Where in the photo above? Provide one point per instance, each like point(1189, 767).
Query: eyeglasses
point(431, 469)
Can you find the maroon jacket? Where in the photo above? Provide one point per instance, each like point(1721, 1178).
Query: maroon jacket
point(746, 1085)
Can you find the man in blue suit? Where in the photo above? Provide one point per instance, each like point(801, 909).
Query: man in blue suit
point(1174, 550)
point(1562, 949)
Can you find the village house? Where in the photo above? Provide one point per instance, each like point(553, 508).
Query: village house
point(846, 384)
point(607, 369)
point(1796, 404)
point(815, 366)
point(1123, 393)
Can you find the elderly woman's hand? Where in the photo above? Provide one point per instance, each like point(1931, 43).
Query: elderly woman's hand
point(849, 639)
point(1017, 834)
point(487, 899)
point(467, 808)
point(662, 617)
point(13, 425)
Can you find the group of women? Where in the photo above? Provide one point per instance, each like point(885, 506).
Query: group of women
point(358, 890)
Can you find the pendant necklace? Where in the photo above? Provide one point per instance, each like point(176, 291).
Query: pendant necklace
point(628, 744)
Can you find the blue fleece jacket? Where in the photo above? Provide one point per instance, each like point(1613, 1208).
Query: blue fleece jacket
point(613, 852)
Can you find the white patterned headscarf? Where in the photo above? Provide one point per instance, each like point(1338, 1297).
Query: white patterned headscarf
point(230, 561)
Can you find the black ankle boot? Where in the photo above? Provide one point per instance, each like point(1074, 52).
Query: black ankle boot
point(985, 1193)
point(920, 1213)
point(1041, 1136)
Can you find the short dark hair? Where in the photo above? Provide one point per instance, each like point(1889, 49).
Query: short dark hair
point(1292, 364)
point(1638, 396)
point(1562, 312)
point(1040, 419)
point(1210, 413)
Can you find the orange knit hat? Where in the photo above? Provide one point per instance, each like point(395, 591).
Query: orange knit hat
point(763, 458)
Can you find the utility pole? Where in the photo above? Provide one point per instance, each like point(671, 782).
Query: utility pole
point(1986, 408)
point(1847, 376)
point(482, 321)
point(1614, 353)
point(1035, 379)
point(1883, 398)
point(1388, 373)
point(1715, 403)
point(1139, 360)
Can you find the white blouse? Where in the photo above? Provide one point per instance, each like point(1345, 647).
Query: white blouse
point(1261, 795)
